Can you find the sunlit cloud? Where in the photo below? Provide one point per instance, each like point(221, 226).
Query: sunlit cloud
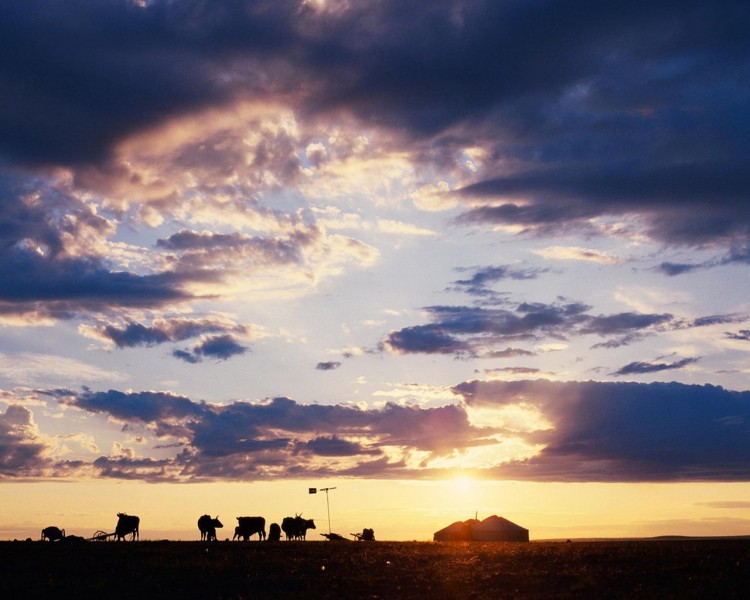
point(414, 393)
point(578, 253)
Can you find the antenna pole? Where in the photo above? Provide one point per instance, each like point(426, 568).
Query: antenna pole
point(328, 507)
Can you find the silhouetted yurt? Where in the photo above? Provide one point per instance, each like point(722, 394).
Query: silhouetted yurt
point(492, 529)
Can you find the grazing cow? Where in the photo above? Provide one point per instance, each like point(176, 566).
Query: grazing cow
point(208, 527)
point(296, 528)
point(249, 526)
point(274, 533)
point(127, 524)
point(52, 534)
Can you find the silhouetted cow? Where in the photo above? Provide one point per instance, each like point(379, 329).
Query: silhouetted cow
point(52, 534)
point(127, 524)
point(274, 532)
point(249, 526)
point(296, 528)
point(208, 527)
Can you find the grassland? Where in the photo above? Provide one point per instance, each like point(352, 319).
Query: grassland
point(233, 570)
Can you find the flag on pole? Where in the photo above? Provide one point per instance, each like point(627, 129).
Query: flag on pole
point(312, 490)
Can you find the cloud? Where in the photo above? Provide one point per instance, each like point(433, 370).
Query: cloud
point(476, 331)
point(333, 446)
point(199, 249)
point(534, 430)
point(623, 322)
point(479, 283)
point(508, 353)
point(327, 366)
point(220, 347)
point(626, 431)
point(673, 269)
point(574, 198)
point(53, 261)
point(481, 330)
point(641, 368)
point(146, 407)
point(274, 437)
point(22, 450)
point(555, 114)
point(512, 371)
point(168, 329)
point(577, 253)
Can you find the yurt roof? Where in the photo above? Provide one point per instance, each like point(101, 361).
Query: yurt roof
point(458, 526)
point(495, 523)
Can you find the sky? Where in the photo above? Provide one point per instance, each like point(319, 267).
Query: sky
point(451, 258)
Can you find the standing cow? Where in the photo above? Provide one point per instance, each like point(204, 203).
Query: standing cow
point(208, 527)
point(127, 524)
point(296, 528)
point(274, 533)
point(52, 534)
point(249, 526)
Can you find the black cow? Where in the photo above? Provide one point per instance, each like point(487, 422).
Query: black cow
point(249, 526)
point(295, 528)
point(52, 534)
point(274, 533)
point(127, 524)
point(208, 527)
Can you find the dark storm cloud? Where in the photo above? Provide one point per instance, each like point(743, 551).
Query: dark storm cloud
point(627, 431)
point(640, 367)
point(81, 75)
point(636, 108)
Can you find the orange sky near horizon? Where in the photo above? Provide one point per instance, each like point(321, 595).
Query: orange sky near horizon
point(396, 510)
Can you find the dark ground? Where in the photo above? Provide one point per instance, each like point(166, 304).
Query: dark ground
point(611, 569)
